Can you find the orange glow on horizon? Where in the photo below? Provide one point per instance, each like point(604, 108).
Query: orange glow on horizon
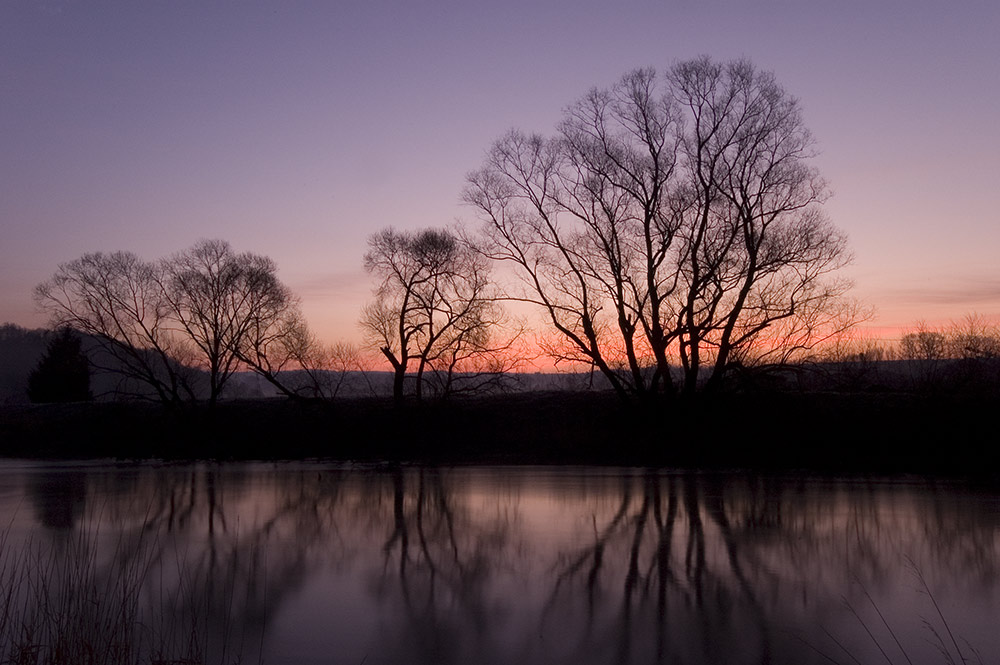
point(550, 356)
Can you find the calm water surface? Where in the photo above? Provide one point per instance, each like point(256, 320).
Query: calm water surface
point(311, 563)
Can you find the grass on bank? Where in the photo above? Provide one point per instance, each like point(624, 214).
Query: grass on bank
point(62, 603)
point(951, 649)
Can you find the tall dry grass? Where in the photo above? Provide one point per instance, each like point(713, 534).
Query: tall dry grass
point(72, 602)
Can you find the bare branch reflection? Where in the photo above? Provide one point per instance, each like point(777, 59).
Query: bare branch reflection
point(506, 565)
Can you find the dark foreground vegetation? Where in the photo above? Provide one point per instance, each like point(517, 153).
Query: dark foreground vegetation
point(824, 432)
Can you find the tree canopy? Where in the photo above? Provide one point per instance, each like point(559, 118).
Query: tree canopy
point(672, 219)
point(434, 311)
point(158, 323)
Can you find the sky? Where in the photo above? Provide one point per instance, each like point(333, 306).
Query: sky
point(297, 129)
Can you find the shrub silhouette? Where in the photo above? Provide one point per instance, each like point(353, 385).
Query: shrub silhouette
point(63, 373)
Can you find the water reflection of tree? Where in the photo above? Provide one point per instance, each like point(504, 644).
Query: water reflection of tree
point(219, 577)
point(963, 536)
point(441, 557)
point(692, 564)
point(667, 567)
point(681, 562)
point(58, 498)
point(654, 548)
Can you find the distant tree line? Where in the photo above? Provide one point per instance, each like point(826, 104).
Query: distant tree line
point(961, 357)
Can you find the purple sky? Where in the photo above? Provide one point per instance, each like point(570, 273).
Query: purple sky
point(297, 129)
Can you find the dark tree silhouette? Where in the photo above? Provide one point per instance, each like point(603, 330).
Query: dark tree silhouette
point(117, 299)
point(207, 308)
point(924, 344)
point(434, 306)
point(63, 373)
point(232, 308)
point(670, 219)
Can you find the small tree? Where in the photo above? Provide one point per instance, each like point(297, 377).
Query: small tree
point(924, 344)
point(63, 373)
point(434, 305)
point(207, 308)
point(118, 300)
point(974, 338)
point(925, 351)
point(231, 307)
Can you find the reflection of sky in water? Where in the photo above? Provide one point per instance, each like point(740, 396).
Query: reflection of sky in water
point(531, 565)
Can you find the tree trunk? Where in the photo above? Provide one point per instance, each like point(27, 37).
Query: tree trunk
point(399, 373)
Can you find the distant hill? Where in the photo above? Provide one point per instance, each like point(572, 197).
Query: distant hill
point(378, 383)
point(20, 351)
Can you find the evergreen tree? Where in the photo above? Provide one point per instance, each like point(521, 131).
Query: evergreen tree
point(63, 373)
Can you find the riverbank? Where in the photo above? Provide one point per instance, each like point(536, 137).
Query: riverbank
point(821, 432)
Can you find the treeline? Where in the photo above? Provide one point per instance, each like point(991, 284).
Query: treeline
point(178, 329)
point(960, 357)
point(669, 235)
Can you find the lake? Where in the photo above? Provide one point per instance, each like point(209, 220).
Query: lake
point(321, 563)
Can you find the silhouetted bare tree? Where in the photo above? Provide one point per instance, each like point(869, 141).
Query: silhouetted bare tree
point(434, 304)
point(206, 308)
point(234, 310)
point(118, 300)
point(924, 344)
point(974, 337)
point(669, 219)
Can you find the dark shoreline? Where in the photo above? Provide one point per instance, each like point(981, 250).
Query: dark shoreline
point(814, 432)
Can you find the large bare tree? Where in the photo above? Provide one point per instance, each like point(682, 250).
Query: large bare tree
point(671, 220)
